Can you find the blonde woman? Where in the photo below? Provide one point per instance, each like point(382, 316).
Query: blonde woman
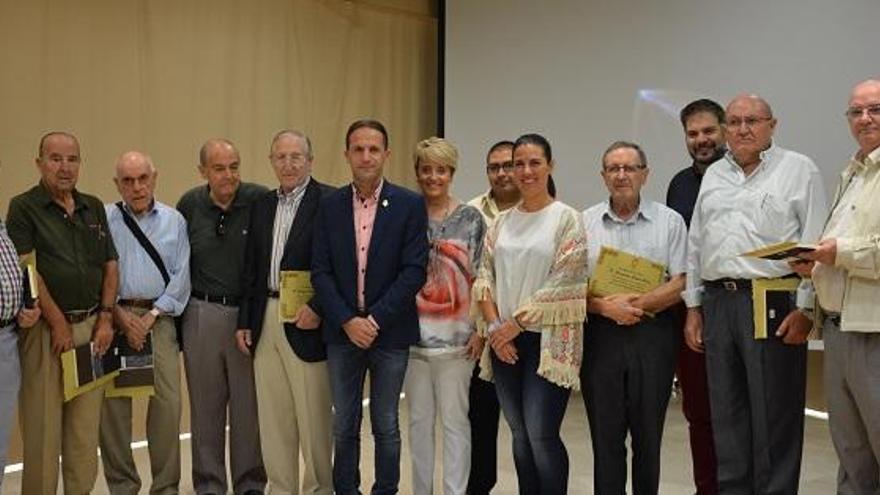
point(440, 365)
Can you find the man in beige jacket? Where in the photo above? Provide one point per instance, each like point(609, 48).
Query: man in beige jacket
point(846, 276)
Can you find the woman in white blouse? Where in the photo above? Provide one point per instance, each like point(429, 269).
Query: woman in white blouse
point(531, 287)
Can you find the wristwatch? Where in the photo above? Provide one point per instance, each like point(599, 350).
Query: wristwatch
point(155, 312)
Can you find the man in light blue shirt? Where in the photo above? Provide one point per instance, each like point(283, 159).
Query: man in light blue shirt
point(631, 340)
point(146, 306)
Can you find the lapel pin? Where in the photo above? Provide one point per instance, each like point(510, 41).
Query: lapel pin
point(385, 203)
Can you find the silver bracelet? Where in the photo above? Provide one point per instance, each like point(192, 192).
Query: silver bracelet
point(495, 325)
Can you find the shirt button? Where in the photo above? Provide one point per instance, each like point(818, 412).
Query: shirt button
point(362, 248)
point(362, 270)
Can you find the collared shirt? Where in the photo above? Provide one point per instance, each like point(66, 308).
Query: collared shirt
point(364, 215)
point(782, 200)
point(654, 231)
point(285, 212)
point(71, 249)
point(11, 292)
point(830, 280)
point(683, 190)
point(217, 238)
point(487, 206)
point(139, 277)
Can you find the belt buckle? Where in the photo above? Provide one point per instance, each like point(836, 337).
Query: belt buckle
point(729, 285)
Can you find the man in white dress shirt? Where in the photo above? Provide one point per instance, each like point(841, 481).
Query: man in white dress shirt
point(758, 194)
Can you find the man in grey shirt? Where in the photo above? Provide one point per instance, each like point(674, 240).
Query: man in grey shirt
point(218, 375)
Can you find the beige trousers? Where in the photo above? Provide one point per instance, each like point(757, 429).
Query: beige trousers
point(163, 423)
point(293, 399)
point(50, 426)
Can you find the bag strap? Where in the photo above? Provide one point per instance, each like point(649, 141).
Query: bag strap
point(144, 242)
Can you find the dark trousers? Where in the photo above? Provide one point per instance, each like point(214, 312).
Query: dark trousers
point(757, 395)
point(627, 379)
point(691, 371)
point(533, 408)
point(484, 414)
point(348, 366)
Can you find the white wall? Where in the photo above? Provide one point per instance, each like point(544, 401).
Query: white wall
point(586, 73)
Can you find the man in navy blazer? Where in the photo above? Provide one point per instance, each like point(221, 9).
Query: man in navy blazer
point(368, 263)
point(290, 368)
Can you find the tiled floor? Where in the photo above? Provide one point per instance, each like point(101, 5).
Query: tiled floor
point(818, 473)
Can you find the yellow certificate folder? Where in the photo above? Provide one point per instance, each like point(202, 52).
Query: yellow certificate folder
point(772, 300)
point(619, 272)
point(781, 251)
point(83, 370)
point(295, 289)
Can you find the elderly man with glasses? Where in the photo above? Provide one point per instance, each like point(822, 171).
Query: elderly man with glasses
point(758, 194)
point(631, 339)
point(847, 280)
point(218, 375)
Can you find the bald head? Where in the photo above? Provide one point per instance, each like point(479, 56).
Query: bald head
point(136, 180)
point(133, 159)
point(219, 163)
point(752, 100)
point(863, 115)
point(750, 125)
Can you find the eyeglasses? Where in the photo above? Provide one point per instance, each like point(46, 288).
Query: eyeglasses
point(627, 169)
point(294, 158)
point(749, 122)
point(220, 228)
point(855, 113)
point(494, 168)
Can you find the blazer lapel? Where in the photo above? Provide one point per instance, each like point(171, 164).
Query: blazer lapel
point(383, 211)
point(346, 220)
point(305, 211)
point(271, 207)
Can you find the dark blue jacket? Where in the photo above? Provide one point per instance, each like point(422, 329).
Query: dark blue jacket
point(396, 260)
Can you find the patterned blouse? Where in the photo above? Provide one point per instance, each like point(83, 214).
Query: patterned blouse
point(444, 302)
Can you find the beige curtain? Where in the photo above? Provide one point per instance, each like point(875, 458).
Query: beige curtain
point(164, 75)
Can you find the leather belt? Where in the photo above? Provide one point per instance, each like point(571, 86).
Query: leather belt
point(834, 317)
point(74, 317)
point(137, 303)
point(274, 294)
point(224, 300)
point(729, 284)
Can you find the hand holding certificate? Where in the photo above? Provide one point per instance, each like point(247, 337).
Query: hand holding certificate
point(295, 290)
point(619, 272)
point(781, 251)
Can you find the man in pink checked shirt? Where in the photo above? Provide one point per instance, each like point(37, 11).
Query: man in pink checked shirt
point(366, 277)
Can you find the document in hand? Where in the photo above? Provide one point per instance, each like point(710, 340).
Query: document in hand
point(619, 272)
point(772, 300)
point(136, 378)
point(83, 370)
point(781, 251)
point(295, 289)
point(29, 279)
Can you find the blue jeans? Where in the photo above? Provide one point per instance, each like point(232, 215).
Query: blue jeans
point(348, 365)
point(534, 408)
